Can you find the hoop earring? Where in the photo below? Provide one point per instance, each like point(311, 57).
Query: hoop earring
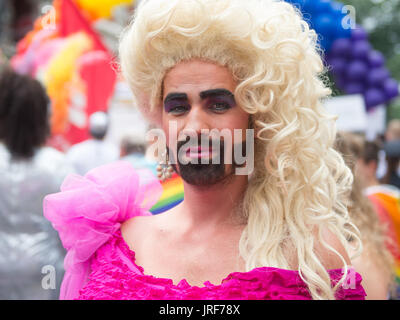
point(164, 169)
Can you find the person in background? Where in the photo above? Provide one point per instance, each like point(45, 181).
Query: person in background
point(392, 134)
point(375, 264)
point(393, 130)
point(93, 152)
point(385, 193)
point(392, 152)
point(133, 150)
point(31, 254)
point(385, 197)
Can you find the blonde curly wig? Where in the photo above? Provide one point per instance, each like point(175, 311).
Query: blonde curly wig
point(300, 183)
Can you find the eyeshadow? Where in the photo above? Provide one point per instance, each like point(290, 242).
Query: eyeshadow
point(170, 105)
point(222, 99)
point(175, 99)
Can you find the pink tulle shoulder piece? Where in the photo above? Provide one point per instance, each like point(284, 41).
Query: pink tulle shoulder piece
point(90, 209)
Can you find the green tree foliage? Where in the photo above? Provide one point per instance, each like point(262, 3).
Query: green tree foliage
point(381, 18)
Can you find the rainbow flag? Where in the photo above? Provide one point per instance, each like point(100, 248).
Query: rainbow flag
point(388, 198)
point(171, 196)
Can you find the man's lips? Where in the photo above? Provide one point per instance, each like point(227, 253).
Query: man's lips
point(198, 152)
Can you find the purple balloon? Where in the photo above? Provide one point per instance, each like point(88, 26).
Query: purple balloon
point(376, 59)
point(338, 65)
point(359, 33)
point(341, 48)
point(361, 49)
point(391, 88)
point(354, 87)
point(328, 59)
point(377, 76)
point(340, 82)
point(357, 70)
point(374, 97)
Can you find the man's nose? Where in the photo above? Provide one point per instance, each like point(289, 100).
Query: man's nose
point(197, 120)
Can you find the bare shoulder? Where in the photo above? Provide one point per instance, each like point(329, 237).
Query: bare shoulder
point(135, 222)
point(141, 229)
point(329, 259)
point(137, 229)
point(375, 280)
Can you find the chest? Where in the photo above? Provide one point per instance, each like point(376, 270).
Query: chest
point(209, 260)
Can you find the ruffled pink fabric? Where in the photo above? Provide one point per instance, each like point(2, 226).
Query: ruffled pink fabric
point(90, 209)
point(116, 276)
point(88, 213)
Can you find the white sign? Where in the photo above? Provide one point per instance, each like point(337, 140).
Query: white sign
point(351, 112)
point(376, 122)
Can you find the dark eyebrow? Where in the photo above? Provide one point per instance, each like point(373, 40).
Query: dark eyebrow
point(176, 96)
point(203, 95)
point(215, 92)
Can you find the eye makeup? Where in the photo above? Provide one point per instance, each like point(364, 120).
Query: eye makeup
point(220, 103)
point(175, 96)
point(176, 103)
point(216, 92)
point(216, 100)
point(176, 107)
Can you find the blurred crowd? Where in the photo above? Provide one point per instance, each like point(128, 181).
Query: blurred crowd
point(30, 249)
point(374, 207)
point(31, 255)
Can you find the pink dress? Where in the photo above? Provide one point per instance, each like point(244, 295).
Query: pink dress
point(88, 213)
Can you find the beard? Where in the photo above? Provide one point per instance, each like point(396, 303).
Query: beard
point(205, 174)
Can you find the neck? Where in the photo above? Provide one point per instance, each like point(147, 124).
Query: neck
point(370, 181)
point(212, 206)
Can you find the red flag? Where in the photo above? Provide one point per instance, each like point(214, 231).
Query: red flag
point(96, 71)
point(72, 21)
